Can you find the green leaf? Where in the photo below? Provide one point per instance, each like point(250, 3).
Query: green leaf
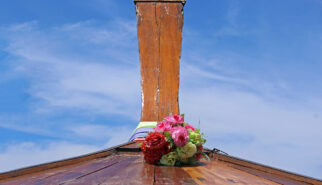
point(204, 154)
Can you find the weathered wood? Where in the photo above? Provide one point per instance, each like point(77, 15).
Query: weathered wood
point(42, 168)
point(138, 173)
point(269, 171)
point(159, 35)
point(30, 179)
point(182, 1)
point(214, 172)
point(270, 176)
point(102, 175)
point(74, 173)
point(172, 175)
point(128, 168)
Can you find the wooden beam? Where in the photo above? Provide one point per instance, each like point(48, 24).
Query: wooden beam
point(181, 1)
point(159, 25)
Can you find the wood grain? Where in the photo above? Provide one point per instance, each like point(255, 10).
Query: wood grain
point(47, 167)
point(270, 176)
point(138, 173)
point(182, 1)
point(129, 168)
point(269, 171)
point(213, 172)
point(159, 35)
point(172, 175)
point(112, 172)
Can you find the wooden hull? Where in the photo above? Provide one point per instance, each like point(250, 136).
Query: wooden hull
point(124, 165)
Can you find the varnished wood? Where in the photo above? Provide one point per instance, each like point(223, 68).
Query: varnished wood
point(138, 173)
point(159, 35)
point(71, 174)
point(270, 176)
point(129, 168)
point(98, 177)
point(270, 172)
point(214, 172)
point(181, 1)
point(172, 175)
point(66, 162)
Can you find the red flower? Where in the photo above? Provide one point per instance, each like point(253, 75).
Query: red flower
point(198, 156)
point(200, 147)
point(154, 146)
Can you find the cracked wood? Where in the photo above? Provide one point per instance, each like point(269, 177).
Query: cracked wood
point(160, 35)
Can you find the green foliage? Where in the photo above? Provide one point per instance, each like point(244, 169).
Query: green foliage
point(206, 156)
point(168, 136)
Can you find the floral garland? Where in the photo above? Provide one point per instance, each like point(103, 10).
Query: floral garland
point(173, 142)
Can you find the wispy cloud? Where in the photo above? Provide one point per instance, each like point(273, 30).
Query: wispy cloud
point(82, 69)
point(28, 153)
point(85, 79)
point(231, 27)
point(112, 134)
point(88, 69)
point(252, 118)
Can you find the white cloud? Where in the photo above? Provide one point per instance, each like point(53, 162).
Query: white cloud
point(27, 153)
point(101, 80)
point(95, 70)
point(231, 28)
point(18, 155)
point(263, 127)
point(113, 134)
point(81, 68)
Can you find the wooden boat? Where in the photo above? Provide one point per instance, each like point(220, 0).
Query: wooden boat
point(159, 33)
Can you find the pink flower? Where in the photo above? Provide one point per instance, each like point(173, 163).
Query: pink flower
point(179, 135)
point(163, 126)
point(190, 127)
point(175, 119)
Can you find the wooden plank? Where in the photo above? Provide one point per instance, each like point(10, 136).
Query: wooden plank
point(62, 174)
point(76, 172)
point(172, 175)
point(102, 175)
point(30, 179)
point(181, 1)
point(42, 168)
point(148, 47)
point(265, 169)
point(138, 172)
point(212, 172)
point(170, 21)
point(159, 35)
point(276, 178)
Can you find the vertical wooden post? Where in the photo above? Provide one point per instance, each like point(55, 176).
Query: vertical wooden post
point(159, 24)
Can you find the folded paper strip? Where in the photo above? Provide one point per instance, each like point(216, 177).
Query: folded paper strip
point(142, 130)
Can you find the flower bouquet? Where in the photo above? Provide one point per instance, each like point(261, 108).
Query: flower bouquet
point(173, 143)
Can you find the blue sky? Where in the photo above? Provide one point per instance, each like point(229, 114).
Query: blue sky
point(250, 72)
